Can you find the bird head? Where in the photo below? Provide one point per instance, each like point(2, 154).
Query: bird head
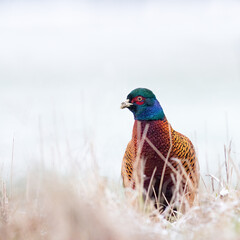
point(144, 105)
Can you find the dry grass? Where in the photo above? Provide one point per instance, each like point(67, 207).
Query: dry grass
point(51, 206)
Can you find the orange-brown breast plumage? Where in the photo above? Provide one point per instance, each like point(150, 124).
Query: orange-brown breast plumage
point(164, 152)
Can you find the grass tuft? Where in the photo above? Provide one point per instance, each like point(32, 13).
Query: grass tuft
point(52, 206)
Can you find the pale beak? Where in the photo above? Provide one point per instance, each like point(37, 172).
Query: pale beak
point(125, 104)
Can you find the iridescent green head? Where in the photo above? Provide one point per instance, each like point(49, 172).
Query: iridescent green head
point(144, 105)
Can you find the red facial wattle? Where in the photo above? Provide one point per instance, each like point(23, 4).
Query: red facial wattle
point(139, 100)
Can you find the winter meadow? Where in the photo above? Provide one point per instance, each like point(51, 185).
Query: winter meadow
point(65, 68)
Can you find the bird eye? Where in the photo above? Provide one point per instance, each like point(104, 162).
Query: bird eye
point(139, 100)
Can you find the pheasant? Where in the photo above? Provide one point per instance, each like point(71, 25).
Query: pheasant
point(170, 168)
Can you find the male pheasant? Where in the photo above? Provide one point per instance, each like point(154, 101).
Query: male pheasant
point(170, 167)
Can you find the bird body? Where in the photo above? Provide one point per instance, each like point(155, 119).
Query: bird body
point(164, 153)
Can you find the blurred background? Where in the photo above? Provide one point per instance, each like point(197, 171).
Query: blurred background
point(65, 67)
